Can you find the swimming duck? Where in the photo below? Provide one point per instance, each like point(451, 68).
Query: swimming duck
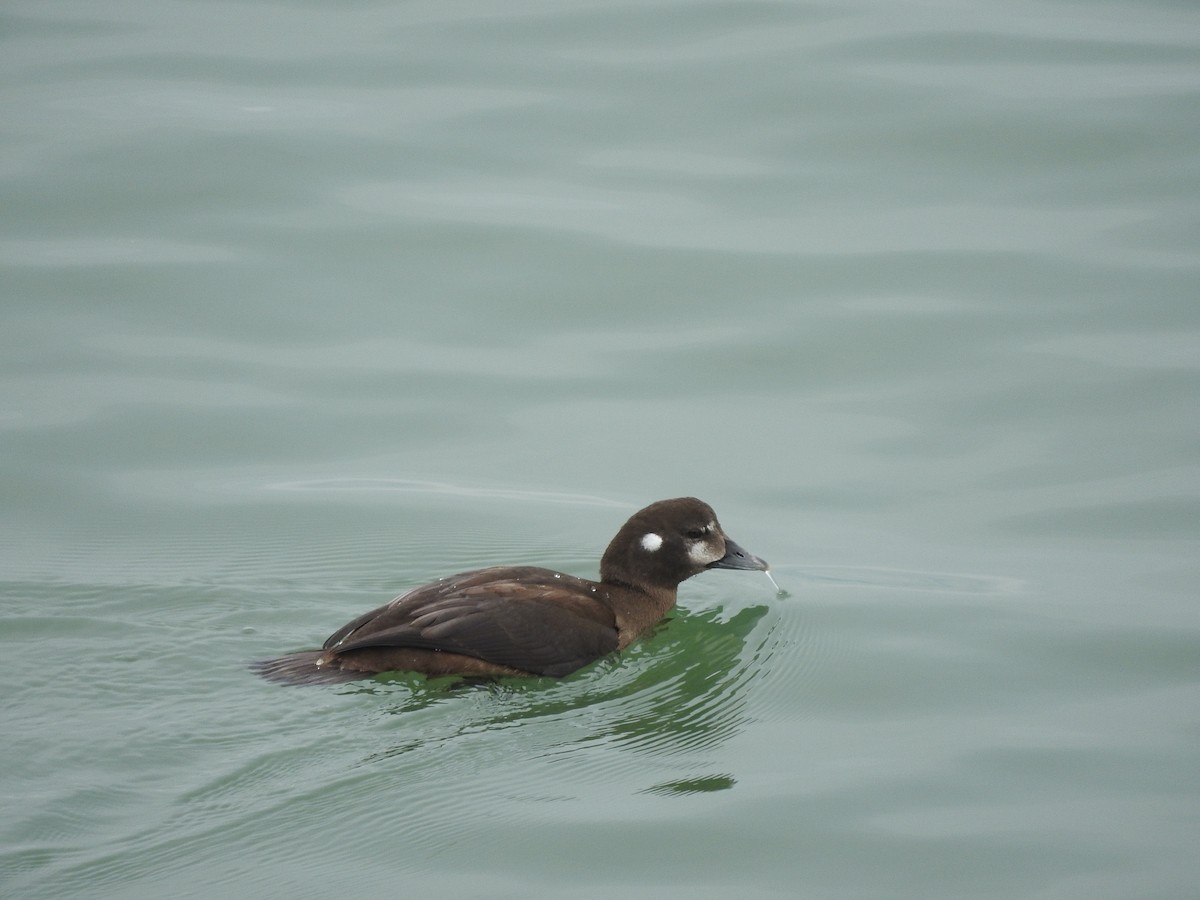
point(525, 620)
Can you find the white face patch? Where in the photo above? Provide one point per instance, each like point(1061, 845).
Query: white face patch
point(651, 542)
point(703, 552)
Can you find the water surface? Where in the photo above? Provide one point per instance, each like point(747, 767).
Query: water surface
point(302, 307)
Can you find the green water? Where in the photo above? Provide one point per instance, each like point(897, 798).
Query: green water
point(301, 306)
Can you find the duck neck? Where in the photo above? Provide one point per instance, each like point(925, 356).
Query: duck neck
point(637, 607)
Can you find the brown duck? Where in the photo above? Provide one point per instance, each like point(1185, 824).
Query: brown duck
point(524, 620)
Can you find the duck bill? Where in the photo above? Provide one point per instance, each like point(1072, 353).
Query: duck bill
point(737, 558)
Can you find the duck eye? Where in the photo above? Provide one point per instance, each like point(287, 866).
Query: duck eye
point(695, 533)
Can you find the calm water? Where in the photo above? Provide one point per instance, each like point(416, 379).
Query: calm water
point(304, 304)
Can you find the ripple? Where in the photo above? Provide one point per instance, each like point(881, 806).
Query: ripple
point(414, 486)
point(704, 785)
point(67, 252)
point(906, 580)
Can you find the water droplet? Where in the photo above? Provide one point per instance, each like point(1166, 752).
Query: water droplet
point(779, 592)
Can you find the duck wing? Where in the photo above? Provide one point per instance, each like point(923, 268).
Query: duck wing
point(525, 617)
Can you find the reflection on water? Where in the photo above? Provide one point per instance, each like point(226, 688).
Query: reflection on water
point(704, 785)
point(682, 688)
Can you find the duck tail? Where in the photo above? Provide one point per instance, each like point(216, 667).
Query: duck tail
point(302, 668)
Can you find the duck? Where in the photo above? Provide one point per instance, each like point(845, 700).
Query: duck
point(525, 620)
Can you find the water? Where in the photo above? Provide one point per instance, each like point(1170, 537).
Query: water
point(304, 306)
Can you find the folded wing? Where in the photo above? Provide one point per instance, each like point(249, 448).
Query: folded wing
point(520, 616)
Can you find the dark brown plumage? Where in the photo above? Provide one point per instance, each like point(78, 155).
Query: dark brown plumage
point(524, 620)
